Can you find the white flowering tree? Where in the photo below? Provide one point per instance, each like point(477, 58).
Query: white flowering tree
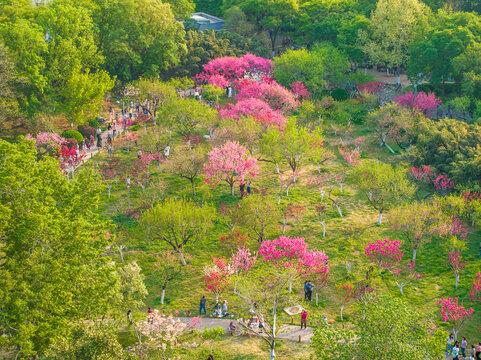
point(159, 334)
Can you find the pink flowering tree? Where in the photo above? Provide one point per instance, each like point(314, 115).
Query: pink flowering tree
point(319, 184)
point(231, 68)
point(426, 103)
point(158, 334)
point(300, 90)
point(351, 153)
point(47, 142)
point(475, 292)
point(454, 312)
point(430, 182)
point(292, 253)
point(372, 87)
point(230, 163)
point(217, 276)
point(386, 253)
point(456, 265)
point(256, 108)
point(242, 260)
point(345, 293)
point(274, 94)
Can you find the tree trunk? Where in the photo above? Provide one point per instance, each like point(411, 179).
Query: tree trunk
point(380, 218)
point(273, 355)
point(322, 195)
point(457, 282)
point(193, 187)
point(318, 168)
point(287, 190)
point(339, 210)
point(290, 286)
point(293, 176)
point(162, 296)
point(277, 168)
point(317, 299)
point(182, 260)
point(217, 297)
point(342, 309)
point(232, 189)
point(283, 226)
point(109, 187)
point(390, 149)
point(278, 199)
point(455, 333)
point(340, 187)
point(414, 255)
point(323, 223)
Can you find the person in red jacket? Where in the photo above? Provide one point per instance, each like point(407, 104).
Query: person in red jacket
point(304, 318)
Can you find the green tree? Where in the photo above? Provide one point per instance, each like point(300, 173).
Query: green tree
point(177, 223)
point(259, 216)
point(316, 68)
point(88, 342)
point(452, 147)
point(271, 15)
point(382, 184)
point(376, 338)
point(393, 26)
point(434, 53)
point(186, 116)
point(53, 266)
point(293, 143)
point(202, 46)
point(138, 38)
point(10, 96)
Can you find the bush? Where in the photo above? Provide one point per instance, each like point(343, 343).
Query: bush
point(339, 94)
point(427, 88)
point(135, 127)
point(87, 131)
point(94, 123)
point(71, 142)
point(73, 134)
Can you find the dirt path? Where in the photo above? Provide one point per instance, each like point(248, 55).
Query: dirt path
point(286, 332)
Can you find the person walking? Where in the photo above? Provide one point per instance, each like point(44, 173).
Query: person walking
point(129, 316)
point(455, 351)
point(309, 290)
point(242, 189)
point(114, 130)
point(225, 313)
point(305, 290)
point(478, 351)
point(249, 186)
point(304, 319)
point(464, 344)
point(203, 302)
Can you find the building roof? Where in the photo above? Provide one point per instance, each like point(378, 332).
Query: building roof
point(204, 18)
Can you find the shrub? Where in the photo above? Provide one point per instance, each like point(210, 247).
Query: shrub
point(73, 134)
point(87, 131)
point(94, 123)
point(427, 88)
point(339, 94)
point(71, 142)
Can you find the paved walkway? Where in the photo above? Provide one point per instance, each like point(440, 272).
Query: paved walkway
point(286, 332)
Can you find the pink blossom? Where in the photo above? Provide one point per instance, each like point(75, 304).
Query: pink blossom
point(426, 103)
point(258, 109)
point(230, 163)
point(274, 94)
point(371, 87)
point(475, 293)
point(386, 253)
point(242, 260)
point(454, 312)
point(300, 90)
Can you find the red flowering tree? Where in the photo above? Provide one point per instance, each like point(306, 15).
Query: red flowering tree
point(427, 180)
point(456, 265)
point(292, 253)
point(454, 312)
point(345, 292)
point(300, 90)
point(235, 240)
point(426, 103)
point(386, 253)
point(230, 163)
point(256, 108)
point(351, 153)
point(217, 276)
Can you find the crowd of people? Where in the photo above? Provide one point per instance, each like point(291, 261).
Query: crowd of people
point(457, 349)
